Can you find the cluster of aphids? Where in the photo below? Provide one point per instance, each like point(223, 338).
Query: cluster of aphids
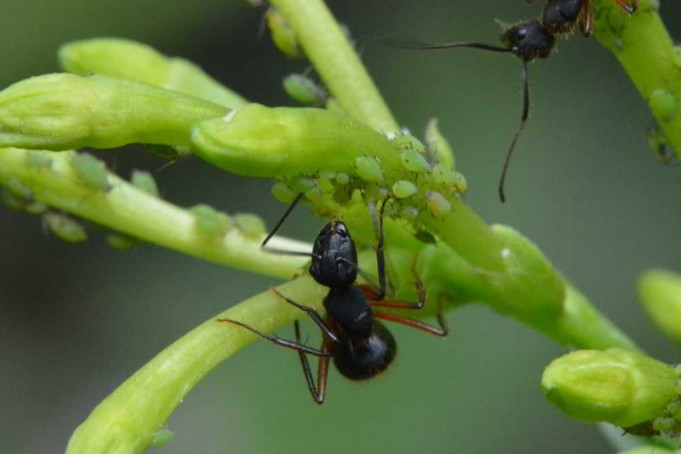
point(528, 41)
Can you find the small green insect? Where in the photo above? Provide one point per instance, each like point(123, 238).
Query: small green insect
point(144, 182)
point(91, 171)
point(209, 221)
point(65, 227)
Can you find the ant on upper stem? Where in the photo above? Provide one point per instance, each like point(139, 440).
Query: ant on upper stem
point(528, 41)
point(360, 345)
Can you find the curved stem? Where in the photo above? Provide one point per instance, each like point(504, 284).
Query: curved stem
point(647, 53)
point(127, 420)
point(336, 61)
point(132, 211)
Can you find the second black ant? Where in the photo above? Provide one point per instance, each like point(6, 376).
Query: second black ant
point(359, 344)
point(528, 41)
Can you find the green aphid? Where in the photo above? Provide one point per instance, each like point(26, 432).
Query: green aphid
point(438, 205)
point(342, 194)
point(302, 184)
point(369, 169)
point(304, 90)
point(250, 224)
point(403, 189)
point(161, 438)
point(283, 35)
point(121, 241)
point(663, 105)
point(91, 171)
point(282, 192)
point(209, 221)
point(65, 227)
point(19, 189)
point(37, 160)
point(144, 181)
point(342, 178)
point(414, 161)
point(167, 152)
point(409, 212)
point(324, 185)
point(35, 208)
point(11, 201)
point(444, 176)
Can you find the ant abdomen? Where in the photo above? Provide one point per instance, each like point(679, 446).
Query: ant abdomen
point(365, 358)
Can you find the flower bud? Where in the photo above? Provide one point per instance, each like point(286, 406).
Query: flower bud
point(262, 141)
point(131, 60)
point(620, 387)
point(660, 294)
point(63, 111)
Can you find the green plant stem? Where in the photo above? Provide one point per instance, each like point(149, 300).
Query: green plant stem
point(127, 420)
point(337, 62)
point(132, 211)
point(642, 45)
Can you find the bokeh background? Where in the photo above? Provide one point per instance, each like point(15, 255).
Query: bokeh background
point(77, 320)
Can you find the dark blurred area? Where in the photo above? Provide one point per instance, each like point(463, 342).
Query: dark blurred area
point(77, 320)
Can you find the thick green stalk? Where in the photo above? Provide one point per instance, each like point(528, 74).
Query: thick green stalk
point(647, 53)
point(127, 420)
point(132, 211)
point(337, 62)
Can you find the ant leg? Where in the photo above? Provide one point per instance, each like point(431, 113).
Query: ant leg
point(276, 340)
point(586, 18)
point(627, 5)
point(443, 330)
point(313, 314)
point(318, 391)
point(380, 253)
point(523, 120)
point(421, 291)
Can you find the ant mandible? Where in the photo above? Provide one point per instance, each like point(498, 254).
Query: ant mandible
point(528, 41)
point(360, 345)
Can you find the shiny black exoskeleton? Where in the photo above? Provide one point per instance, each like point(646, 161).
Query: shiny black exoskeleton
point(360, 345)
point(528, 41)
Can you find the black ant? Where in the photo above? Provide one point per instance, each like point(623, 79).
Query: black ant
point(360, 345)
point(528, 41)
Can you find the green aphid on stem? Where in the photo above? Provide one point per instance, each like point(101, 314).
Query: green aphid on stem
point(283, 35)
point(19, 189)
point(209, 221)
point(369, 169)
point(65, 227)
point(663, 105)
point(121, 242)
point(302, 184)
point(37, 160)
point(403, 189)
point(304, 90)
point(414, 161)
point(161, 438)
point(438, 205)
point(250, 225)
point(144, 181)
point(91, 171)
point(282, 192)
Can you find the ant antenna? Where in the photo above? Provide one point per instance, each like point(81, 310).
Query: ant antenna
point(269, 236)
point(523, 120)
point(416, 45)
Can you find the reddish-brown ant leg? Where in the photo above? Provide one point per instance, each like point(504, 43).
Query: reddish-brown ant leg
point(627, 5)
point(586, 18)
point(318, 391)
point(443, 330)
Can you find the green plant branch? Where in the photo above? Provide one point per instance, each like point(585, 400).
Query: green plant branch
point(134, 212)
point(647, 53)
point(337, 62)
point(127, 420)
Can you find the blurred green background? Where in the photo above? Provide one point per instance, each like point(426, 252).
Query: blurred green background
point(78, 320)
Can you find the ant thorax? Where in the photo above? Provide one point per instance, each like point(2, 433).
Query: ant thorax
point(350, 310)
point(334, 257)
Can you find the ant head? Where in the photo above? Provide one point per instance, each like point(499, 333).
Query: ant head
point(560, 16)
point(334, 257)
point(528, 40)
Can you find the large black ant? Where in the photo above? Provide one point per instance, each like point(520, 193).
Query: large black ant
point(360, 345)
point(528, 41)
